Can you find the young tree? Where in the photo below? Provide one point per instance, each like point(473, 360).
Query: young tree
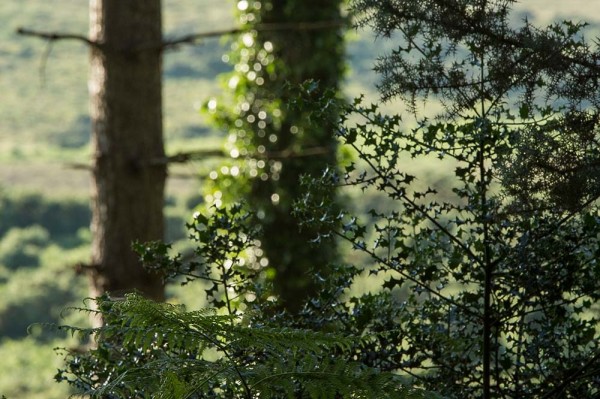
point(285, 43)
point(490, 283)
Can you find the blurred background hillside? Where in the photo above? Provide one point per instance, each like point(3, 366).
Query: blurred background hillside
point(44, 137)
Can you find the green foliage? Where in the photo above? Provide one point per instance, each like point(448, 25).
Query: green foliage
point(182, 354)
point(27, 369)
point(43, 124)
point(227, 258)
point(22, 247)
point(488, 290)
point(58, 216)
point(490, 286)
point(37, 259)
point(39, 295)
point(147, 349)
point(41, 240)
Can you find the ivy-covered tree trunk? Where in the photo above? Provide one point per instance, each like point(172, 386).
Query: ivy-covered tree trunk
point(126, 103)
point(300, 55)
point(292, 42)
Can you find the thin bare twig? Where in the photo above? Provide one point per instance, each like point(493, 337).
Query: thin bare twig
point(293, 26)
point(53, 36)
point(288, 153)
point(183, 157)
point(44, 62)
point(193, 38)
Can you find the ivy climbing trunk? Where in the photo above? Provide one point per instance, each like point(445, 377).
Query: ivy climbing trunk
point(288, 42)
point(126, 112)
point(302, 55)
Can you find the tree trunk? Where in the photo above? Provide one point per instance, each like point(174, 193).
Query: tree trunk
point(298, 55)
point(126, 111)
point(305, 55)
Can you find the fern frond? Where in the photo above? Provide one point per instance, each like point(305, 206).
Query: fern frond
point(158, 350)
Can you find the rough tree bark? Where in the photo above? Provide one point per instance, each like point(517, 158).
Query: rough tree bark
point(126, 112)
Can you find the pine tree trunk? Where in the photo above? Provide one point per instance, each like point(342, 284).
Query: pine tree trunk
point(126, 110)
